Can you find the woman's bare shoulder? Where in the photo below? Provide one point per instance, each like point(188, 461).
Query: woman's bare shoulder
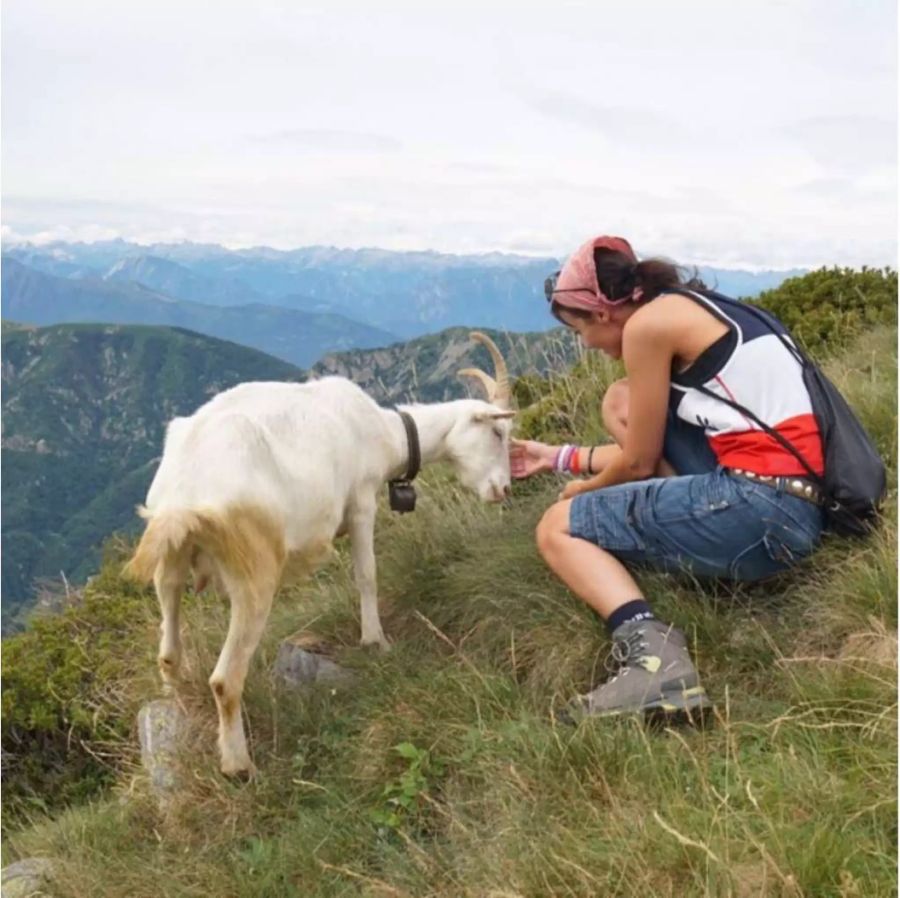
point(663, 312)
point(675, 321)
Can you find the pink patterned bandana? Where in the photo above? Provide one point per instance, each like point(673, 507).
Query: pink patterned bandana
point(577, 287)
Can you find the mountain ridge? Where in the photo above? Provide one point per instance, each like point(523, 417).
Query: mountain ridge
point(179, 282)
point(408, 293)
point(293, 335)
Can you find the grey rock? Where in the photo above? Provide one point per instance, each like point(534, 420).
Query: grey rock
point(28, 878)
point(161, 728)
point(298, 667)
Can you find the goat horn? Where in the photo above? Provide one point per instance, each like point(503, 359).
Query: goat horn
point(503, 395)
point(488, 382)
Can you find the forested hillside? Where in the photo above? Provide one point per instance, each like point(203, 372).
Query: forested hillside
point(84, 415)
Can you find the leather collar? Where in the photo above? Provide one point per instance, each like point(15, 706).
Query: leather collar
point(401, 492)
point(414, 464)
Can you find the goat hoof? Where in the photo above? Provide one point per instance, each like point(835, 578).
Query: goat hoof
point(381, 643)
point(241, 774)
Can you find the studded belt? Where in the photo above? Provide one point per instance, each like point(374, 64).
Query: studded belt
point(794, 486)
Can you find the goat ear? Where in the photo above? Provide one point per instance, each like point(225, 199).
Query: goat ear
point(482, 417)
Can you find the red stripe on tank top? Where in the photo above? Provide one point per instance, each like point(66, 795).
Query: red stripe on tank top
point(756, 451)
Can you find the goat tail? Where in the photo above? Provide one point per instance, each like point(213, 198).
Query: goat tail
point(165, 536)
point(238, 538)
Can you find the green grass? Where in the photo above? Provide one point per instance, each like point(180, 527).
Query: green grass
point(443, 773)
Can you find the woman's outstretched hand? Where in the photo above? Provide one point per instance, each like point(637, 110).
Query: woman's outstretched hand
point(527, 457)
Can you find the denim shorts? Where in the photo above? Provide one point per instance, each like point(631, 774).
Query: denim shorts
point(704, 521)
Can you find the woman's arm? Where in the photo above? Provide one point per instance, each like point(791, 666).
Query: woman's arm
point(601, 457)
point(647, 353)
point(527, 457)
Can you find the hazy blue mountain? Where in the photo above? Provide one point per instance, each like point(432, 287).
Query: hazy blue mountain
point(92, 258)
point(179, 282)
point(56, 260)
point(407, 293)
point(745, 284)
point(295, 336)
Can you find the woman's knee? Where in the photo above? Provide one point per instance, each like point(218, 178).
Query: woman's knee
point(614, 407)
point(553, 526)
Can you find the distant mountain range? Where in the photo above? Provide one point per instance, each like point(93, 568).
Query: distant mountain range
point(299, 337)
point(408, 294)
point(180, 282)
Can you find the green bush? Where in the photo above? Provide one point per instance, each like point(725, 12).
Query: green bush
point(68, 687)
point(825, 309)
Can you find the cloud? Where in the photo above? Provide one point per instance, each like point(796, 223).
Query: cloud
point(316, 140)
point(846, 143)
point(615, 123)
point(88, 233)
point(844, 190)
point(479, 167)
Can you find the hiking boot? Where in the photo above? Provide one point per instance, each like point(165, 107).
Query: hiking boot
point(656, 677)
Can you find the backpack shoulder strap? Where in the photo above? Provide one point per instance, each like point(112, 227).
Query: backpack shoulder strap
point(760, 315)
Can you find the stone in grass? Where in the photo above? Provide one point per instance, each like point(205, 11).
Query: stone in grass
point(161, 728)
point(28, 878)
point(303, 661)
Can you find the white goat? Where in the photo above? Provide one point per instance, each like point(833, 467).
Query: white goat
point(257, 483)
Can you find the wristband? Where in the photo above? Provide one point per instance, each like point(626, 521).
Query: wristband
point(554, 465)
point(563, 458)
point(575, 462)
point(590, 457)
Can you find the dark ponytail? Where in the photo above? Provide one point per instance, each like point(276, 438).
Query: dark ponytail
point(619, 276)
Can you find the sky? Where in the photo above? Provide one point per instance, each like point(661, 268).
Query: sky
point(748, 133)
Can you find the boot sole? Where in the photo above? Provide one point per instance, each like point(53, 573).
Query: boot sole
point(691, 707)
point(699, 716)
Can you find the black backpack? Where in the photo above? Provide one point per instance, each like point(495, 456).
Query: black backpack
point(854, 482)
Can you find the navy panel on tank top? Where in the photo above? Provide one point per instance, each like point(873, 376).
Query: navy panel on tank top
point(748, 365)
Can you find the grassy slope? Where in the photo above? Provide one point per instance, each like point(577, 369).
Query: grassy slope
point(791, 794)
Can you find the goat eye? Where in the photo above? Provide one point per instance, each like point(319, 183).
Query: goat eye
point(498, 434)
